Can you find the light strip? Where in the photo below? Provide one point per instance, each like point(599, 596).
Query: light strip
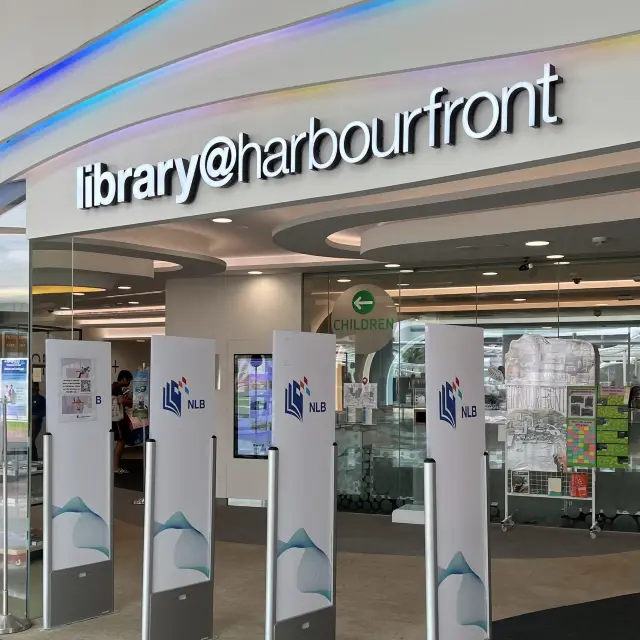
point(77, 313)
point(512, 306)
point(111, 321)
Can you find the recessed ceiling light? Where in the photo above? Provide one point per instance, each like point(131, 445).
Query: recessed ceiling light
point(406, 270)
point(558, 256)
point(124, 288)
point(391, 265)
point(465, 246)
point(396, 304)
point(602, 304)
point(78, 293)
point(255, 273)
point(403, 284)
point(562, 263)
point(343, 280)
point(537, 243)
point(519, 299)
point(490, 273)
point(222, 220)
point(65, 309)
point(140, 340)
point(547, 327)
point(133, 302)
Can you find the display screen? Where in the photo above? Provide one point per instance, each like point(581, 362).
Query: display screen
point(252, 410)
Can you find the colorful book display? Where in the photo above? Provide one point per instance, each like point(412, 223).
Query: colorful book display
point(612, 432)
point(581, 426)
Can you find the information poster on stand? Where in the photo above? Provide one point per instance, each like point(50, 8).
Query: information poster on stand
point(14, 382)
point(79, 419)
point(456, 441)
point(304, 375)
point(182, 405)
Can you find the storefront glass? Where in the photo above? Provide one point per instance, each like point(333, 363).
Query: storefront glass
point(382, 447)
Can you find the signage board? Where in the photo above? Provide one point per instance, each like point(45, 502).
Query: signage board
point(182, 420)
point(456, 441)
point(367, 313)
point(304, 391)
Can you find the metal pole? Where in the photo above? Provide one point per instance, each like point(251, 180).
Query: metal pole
point(334, 493)
point(47, 522)
point(487, 503)
point(431, 548)
point(272, 544)
point(8, 622)
point(147, 558)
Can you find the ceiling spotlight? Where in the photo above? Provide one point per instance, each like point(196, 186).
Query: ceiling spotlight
point(396, 304)
point(602, 304)
point(546, 327)
point(344, 280)
point(562, 263)
point(403, 284)
point(406, 270)
point(222, 220)
point(519, 299)
point(391, 265)
point(490, 273)
point(559, 256)
point(65, 308)
point(124, 288)
point(133, 302)
point(140, 341)
point(537, 243)
point(255, 273)
point(78, 293)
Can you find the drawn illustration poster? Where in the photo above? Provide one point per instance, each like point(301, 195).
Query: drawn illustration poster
point(538, 373)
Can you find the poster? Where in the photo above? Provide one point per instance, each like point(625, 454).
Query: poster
point(183, 416)
point(455, 407)
point(304, 405)
point(554, 486)
point(520, 482)
point(14, 382)
point(612, 429)
point(80, 496)
point(357, 395)
point(77, 382)
point(539, 373)
point(581, 443)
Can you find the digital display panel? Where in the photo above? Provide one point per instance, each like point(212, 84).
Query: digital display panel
point(252, 405)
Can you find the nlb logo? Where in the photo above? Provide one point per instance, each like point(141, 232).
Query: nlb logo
point(172, 397)
point(294, 396)
point(448, 403)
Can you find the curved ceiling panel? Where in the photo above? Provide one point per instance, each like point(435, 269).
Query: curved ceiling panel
point(61, 31)
point(326, 44)
point(174, 31)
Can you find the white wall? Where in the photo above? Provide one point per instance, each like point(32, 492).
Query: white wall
point(240, 313)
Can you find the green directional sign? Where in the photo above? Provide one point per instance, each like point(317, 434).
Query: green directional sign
point(363, 302)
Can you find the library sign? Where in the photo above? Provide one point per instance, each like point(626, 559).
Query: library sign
point(367, 314)
point(224, 161)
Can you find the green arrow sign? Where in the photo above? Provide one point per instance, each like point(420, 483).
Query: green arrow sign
point(363, 302)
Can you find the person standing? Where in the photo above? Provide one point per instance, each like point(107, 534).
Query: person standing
point(38, 413)
point(119, 401)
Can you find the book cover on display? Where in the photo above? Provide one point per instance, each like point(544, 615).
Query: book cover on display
point(579, 485)
point(520, 482)
point(554, 486)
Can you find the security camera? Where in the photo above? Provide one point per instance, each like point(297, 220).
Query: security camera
point(526, 265)
point(577, 280)
point(597, 312)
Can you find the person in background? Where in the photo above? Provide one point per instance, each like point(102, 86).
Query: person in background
point(38, 412)
point(120, 427)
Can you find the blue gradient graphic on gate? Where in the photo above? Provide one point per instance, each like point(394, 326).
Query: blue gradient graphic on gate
point(90, 530)
point(191, 550)
point(314, 571)
point(471, 607)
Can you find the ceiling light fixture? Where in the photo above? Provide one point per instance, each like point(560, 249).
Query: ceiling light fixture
point(490, 273)
point(124, 288)
point(558, 256)
point(537, 243)
point(602, 304)
point(406, 270)
point(519, 299)
point(403, 284)
point(391, 265)
point(65, 308)
point(562, 263)
point(133, 302)
point(222, 220)
point(78, 293)
point(546, 327)
point(140, 340)
point(255, 273)
point(344, 280)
